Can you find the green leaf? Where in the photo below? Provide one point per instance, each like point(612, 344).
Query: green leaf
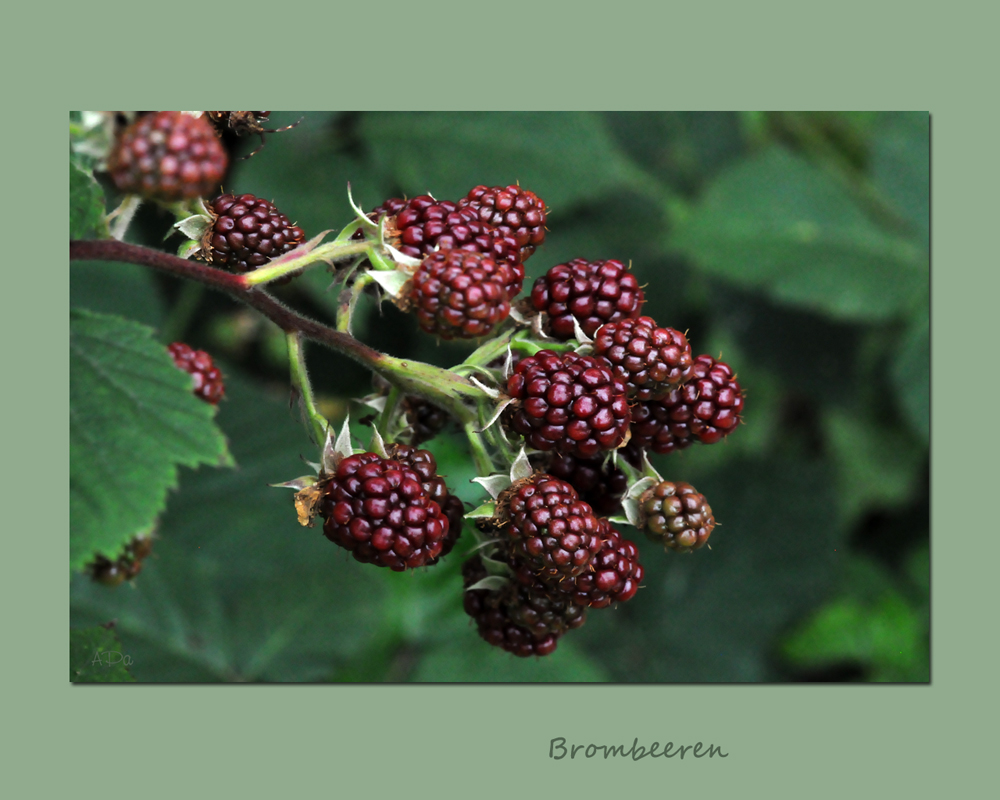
point(133, 292)
point(96, 656)
point(877, 465)
point(911, 374)
point(782, 226)
point(871, 622)
point(901, 167)
point(86, 206)
point(236, 589)
point(564, 157)
point(464, 662)
point(133, 421)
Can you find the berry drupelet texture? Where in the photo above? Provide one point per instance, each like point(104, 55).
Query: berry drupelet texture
point(458, 294)
point(677, 515)
point(615, 573)
point(168, 156)
point(593, 292)
point(379, 509)
point(515, 212)
point(651, 360)
point(248, 232)
point(568, 402)
point(208, 383)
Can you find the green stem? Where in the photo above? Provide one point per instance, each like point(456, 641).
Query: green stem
point(480, 457)
point(300, 380)
point(328, 253)
point(384, 421)
point(349, 301)
point(441, 386)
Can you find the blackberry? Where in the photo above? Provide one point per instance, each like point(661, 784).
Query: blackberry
point(168, 156)
point(493, 621)
point(458, 294)
point(548, 528)
point(706, 408)
point(248, 232)
point(424, 419)
point(651, 360)
point(419, 226)
point(513, 211)
point(568, 402)
point(208, 384)
point(538, 607)
point(425, 465)
point(594, 292)
point(600, 484)
point(126, 566)
point(379, 509)
point(614, 576)
point(677, 515)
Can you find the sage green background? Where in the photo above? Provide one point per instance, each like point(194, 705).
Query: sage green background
point(492, 741)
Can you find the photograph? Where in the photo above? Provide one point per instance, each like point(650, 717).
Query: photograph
point(623, 397)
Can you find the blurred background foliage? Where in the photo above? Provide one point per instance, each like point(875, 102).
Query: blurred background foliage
point(793, 244)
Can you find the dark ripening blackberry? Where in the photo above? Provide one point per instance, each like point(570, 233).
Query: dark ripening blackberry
point(594, 292)
point(125, 567)
point(568, 402)
point(168, 156)
point(705, 409)
point(600, 484)
point(614, 577)
point(425, 465)
point(419, 226)
point(493, 621)
point(651, 360)
point(458, 294)
point(539, 607)
point(546, 526)
point(208, 384)
point(248, 232)
point(514, 211)
point(424, 419)
point(677, 515)
point(379, 509)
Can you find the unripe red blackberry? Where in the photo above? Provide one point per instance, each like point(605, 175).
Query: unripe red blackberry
point(677, 515)
point(125, 567)
point(425, 465)
point(248, 232)
point(651, 360)
point(168, 156)
point(614, 577)
point(568, 402)
point(512, 210)
point(458, 294)
point(492, 617)
point(546, 526)
point(706, 408)
point(594, 292)
point(379, 509)
point(208, 384)
point(600, 484)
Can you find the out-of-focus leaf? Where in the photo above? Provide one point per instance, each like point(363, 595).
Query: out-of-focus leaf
point(86, 206)
point(235, 589)
point(876, 465)
point(911, 374)
point(95, 656)
point(564, 157)
point(465, 662)
point(901, 167)
point(780, 225)
point(133, 420)
point(871, 623)
point(124, 289)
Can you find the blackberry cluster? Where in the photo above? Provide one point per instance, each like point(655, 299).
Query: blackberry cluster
point(593, 292)
point(168, 156)
point(380, 509)
point(705, 409)
point(568, 402)
point(460, 294)
point(208, 384)
point(248, 232)
point(677, 515)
